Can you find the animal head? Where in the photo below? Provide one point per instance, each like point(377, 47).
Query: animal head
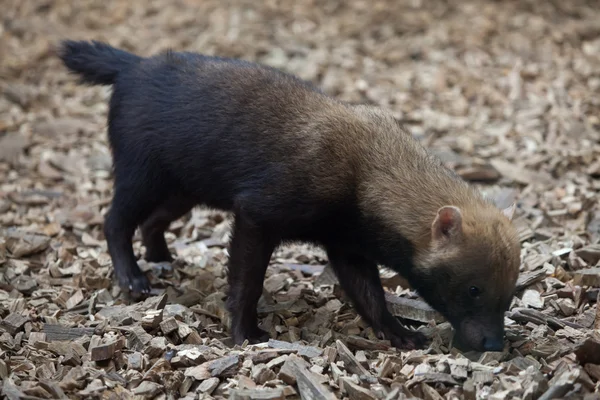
point(465, 251)
point(469, 272)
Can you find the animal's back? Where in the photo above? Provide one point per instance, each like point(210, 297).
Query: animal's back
point(222, 126)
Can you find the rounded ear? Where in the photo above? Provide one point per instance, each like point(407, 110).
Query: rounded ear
point(509, 212)
point(447, 223)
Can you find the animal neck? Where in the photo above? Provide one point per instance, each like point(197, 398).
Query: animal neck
point(406, 198)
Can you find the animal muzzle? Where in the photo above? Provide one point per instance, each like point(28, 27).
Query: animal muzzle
point(493, 343)
point(482, 334)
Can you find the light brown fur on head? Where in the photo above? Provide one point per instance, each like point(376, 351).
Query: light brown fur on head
point(483, 253)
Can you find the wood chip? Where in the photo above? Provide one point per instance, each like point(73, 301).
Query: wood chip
point(307, 351)
point(257, 394)
point(327, 277)
point(358, 342)
point(519, 174)
point(356, 392)
point(208, 386)
point(588, 352)
point(483, 377)
point(416, 310)
point(562, 385)
point(587, 277)
point(13, 323)
point(148, 389)
point(505, 95)
point(392, 279)
point(532, 298)
point(169, 325)
point(429, 392)
point(262, 373)
point(483, 173)
point(11, 145)
point(152, 319)
point(590, 254)
point(74, 300)
point(21, 244)
point(220, 367)
point(350, 362)
point(275, 283)
point(529, 278)
point(135, 361)
point(289, 370)
point(295, 371)
point(103, 351)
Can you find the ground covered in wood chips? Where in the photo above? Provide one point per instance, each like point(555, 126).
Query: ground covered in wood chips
point(507, 92)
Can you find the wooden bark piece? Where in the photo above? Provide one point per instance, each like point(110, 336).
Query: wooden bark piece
point(13, 323)
point(60, 333)
point(307, 351)
point(295, 372)
point(350, 362)
point(416, 310)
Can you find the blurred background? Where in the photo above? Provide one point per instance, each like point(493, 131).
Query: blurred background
point(503, 89)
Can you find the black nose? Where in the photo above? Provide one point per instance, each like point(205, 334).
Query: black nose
point(493, 343)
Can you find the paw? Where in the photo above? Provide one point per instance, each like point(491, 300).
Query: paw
point(136, 284)
point(258, 336)
point(409, 341)
point(254, 335)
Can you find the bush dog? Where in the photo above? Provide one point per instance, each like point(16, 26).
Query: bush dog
point(294, 164)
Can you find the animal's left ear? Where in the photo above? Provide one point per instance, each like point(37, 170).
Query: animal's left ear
point(447, 223)
point(509, 212)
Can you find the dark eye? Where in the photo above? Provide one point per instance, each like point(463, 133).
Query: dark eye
point(474, 291)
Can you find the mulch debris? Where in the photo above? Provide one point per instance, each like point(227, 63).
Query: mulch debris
point(506, 93)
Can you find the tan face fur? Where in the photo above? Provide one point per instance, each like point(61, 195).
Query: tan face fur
point(470, 271)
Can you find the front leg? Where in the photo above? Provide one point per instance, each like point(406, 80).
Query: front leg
point(359, 278)
point(250, 252)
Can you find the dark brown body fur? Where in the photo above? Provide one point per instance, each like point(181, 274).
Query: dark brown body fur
point(293, 164)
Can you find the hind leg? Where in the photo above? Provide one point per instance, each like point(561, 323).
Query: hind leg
point(154, 227)
point(132, 202)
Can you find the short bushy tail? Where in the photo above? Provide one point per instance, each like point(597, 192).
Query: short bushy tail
point(97, 63)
